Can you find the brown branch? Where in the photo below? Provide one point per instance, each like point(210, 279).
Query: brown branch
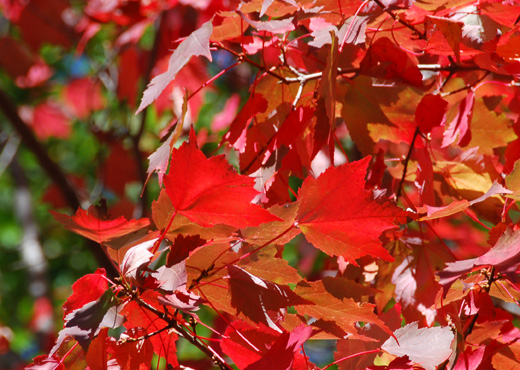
point(422, 35)
point(52, 169)
point(181, 331)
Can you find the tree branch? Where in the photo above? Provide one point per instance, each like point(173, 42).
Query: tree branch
point(172, 323)
point(53, 170)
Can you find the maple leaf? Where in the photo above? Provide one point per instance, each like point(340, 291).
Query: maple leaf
point(90, 225)
point(172, 282)
point(327, 90)
point(245, 344)
point(159, 160)
point(430, 112)
point(452, 31)
point(254, 297)
point(504, 256)
point(86, 289)
point(136, 260)
point(209, 192)
point(236, 134)
point(344, 312)
point(44, 362)
point(427, 347)
point(195, 44)
point(181, 248)
point(281, 354)
point(339, 217)
point(386, 60)
point(459, 126)
point(84, 323)
point(138, 317)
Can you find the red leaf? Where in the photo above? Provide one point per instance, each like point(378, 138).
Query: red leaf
point(430, 112)
point(254, 297)
point(339, 217)
point(195, 44)
point(97, 355)
point(91, 226)
point(245, 344)
point(134, 355)
point(48, 120)
point(386, 60)
point(44, 362)
point(452, 31)
point(209, 192)
point(256, 104)
point(138, 317)
point(331, 306)
point(504, 256)
point(181, 248)
point(84, 96)
point(86, 289)
point(281, 355)
point(459, 126)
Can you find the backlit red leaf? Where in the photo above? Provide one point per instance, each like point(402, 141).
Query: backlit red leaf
point(281, 355)
point(255, 297)
point(430, 112)
point(86, 289)
point(209, 192)
point(386, 60)
point(344, 312)
point(90, 225)
point(339, 217)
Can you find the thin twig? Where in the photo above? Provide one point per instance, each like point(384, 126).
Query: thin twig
point(406, 161)
point(422, 35)
point(210, 352)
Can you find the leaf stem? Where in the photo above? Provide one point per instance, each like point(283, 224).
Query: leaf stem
point(351, 356)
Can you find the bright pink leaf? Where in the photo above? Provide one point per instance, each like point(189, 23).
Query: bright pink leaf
point(458, 128)
point(504, 256)
point(44, 362)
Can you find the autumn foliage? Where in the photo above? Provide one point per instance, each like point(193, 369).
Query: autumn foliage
point(329, 174)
